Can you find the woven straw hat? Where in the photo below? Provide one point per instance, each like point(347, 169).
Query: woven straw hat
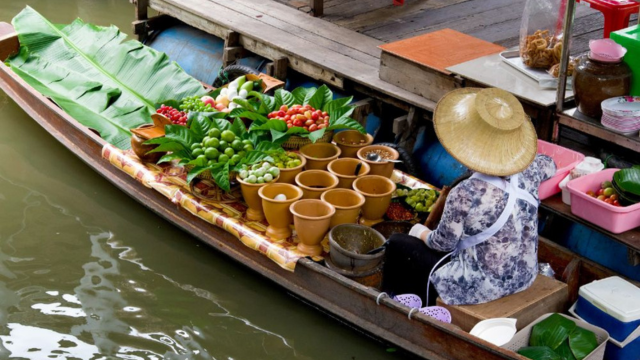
point(486, 130)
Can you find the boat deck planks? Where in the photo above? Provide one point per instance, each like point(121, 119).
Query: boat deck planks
point(497, 21)
point(313, 46)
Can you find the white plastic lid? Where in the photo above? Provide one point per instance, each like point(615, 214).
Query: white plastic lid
point(615, 296)
point(498, 331)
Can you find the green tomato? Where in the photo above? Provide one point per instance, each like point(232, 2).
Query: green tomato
point(247, 142)
point(202, 160)
point(223, 145)
point(215, 133)
point(268, 177)
point(212, 143)
point(259, 172)
point(248, 148)
point(223, 159)
point(204, 140)
point(197, 152)
point(236, 159)
point(297, 162)
point(229, 152)
point(196, 146)
point(608, 191)
point(228, 136)
point(237, 145)
point(260, 180)
point(251, 179)
point(274, 171)
point(242, 153)
point(212, 162)
point(211, 153)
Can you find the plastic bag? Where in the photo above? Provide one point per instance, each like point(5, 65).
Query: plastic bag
point(546, 270)
point(541, 33)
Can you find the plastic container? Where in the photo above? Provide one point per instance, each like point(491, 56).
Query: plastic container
point(565, 161)
point(587, 166)
point(630, 39)
point(612, 304)
point(616, 219)
point(521, 339)
point(498, 331)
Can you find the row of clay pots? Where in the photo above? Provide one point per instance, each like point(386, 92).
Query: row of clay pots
point(312, 217)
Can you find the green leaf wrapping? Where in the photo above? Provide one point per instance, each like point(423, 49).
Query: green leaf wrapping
point(322, 96)
point(104, 83)
point(628, 180)
point(582, 342)
point(565, 351)
point(551, 331)
point(539, 353)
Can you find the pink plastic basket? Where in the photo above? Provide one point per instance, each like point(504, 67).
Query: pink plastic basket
point(613, 218)
point(565, 160)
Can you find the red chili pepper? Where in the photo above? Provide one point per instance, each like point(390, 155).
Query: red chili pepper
point(398, 212)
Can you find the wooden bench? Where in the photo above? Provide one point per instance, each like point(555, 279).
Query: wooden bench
point(546, 295)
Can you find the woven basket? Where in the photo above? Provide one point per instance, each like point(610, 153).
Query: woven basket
point(295, 142)
point(213, 193)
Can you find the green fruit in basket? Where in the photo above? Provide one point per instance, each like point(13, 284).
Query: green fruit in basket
point(609, 191)
point(235, 159)
point(606, 184)
point(229, 152)
point(197, 152)
point(242, 153)
point(212, 153)
point(196, 146)
point(202, 160)
point(228, 136)
point(247, 142)
point(274, 171)
point(223, 159)
point(237, 145)
point(268, 177)
point(212, 162)
point(215, 133)
point(248, 148)
point(223, 145)
point(260, 180)
point(212, 143)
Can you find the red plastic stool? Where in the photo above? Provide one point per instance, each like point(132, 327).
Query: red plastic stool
point(616, 12)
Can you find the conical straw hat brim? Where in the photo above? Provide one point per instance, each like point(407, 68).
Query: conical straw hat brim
point(478, 145)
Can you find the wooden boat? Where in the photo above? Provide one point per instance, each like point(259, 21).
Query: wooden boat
point(313, 283)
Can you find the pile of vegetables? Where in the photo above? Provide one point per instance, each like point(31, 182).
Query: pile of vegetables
point(558, 338)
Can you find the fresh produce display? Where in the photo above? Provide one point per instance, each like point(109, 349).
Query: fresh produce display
point(236, 93)
point(259, 173)
point(557, 337)
point(210, 143)
point(305, 112)
point(397, 212)
point(420, 200)
point(303, 116)
point(201, 104)
point(176, 117)
point(606, 193)
point(286, 160)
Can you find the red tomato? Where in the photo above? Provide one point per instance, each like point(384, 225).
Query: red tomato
point(601, 197)
point(301, 117)
point(313, 127)
point(308, 122)
point(315, 116)
point(600, 192)
point(616, 203)
point(321, 126)
point(282, 113)
point(297, 123)
point(284, 108)
point(591, 193)
point(289, 125)
point(324, 113)
point(306, 128)
point(608, 201)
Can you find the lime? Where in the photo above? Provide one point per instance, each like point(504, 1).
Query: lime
point(205, 139)
point(196, 146)
point(223, 158)
point(211, 153)
point(248, 148)
point(242, 153)
point(236, 159)
point(237, 145)
point(229, 152)
point(223, 145)
point(247, 142)
point(214, 133)
point(228, 136)
point(212, 143)
point(202, 160)
point(197, 152)
point(212, 162)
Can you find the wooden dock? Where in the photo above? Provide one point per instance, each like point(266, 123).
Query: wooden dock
point(497, 21)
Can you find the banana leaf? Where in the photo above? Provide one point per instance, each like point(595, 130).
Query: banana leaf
point(539, 353)
point(104, 82)
point(551, 332)
point(582, 342)
point(628, 180)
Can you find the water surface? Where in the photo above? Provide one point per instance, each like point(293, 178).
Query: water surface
point(88, 273)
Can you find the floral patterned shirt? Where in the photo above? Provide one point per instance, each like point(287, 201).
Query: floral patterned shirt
point(504, 264)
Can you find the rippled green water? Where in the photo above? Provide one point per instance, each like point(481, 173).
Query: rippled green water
point(88, 273)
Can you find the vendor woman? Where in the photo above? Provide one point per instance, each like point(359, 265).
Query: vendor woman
point(485, 246)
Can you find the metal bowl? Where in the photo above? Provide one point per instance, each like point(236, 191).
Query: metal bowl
point(349, 245)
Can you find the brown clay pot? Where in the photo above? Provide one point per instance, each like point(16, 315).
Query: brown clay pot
point(377, 192)
point(347, 203)
point(141, 150)
point(319, 155)
point(311, 218)
point(350, 141)
point(382, 168)
point(253, 200)
point(289, 175)
point(345, 170)
point(314, 182)
point(277, 211)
